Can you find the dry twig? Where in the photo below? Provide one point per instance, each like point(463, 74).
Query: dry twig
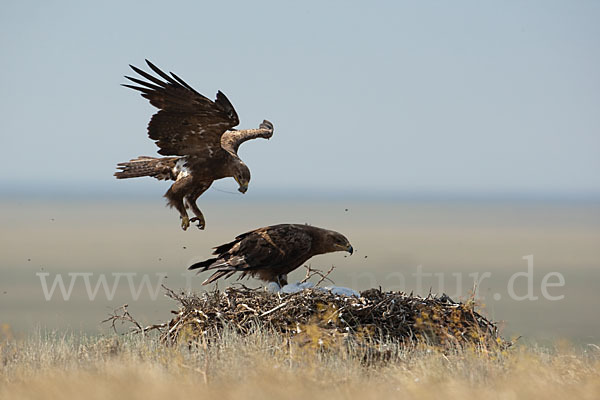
point(310, 272)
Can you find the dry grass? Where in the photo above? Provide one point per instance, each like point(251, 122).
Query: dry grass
point(265, 365)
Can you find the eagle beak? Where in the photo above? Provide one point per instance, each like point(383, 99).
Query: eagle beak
point(347, 248)
point(243, 186)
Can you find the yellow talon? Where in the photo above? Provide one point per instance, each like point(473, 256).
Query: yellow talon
point(201, 222)
point(185, 222)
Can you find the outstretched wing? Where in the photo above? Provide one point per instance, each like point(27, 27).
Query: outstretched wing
point(188, 123)
point(273, 248)
point(231, 140)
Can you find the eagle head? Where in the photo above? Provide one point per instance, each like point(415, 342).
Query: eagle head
point(338, 242)
point(241, 174)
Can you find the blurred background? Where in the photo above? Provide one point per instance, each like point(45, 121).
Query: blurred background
point(447, 141)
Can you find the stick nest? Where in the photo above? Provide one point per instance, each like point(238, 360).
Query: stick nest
point(320, 317)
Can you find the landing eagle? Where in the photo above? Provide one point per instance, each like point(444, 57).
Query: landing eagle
point(270, 253)
point(197, 133)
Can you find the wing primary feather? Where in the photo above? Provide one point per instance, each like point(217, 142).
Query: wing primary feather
point(144, 83)
point(229, 274)
point(203, 264)
point(182, 82)
point(141, 89)
point(226, 247)
point(266, 124)
point(162, 74)
point(224, 104)
point(148, 76)
point(214, 277)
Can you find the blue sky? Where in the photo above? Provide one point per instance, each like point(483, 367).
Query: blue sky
point(423, 96)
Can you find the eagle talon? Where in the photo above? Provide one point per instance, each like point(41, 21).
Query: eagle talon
point(185, 222)
point(201, 224)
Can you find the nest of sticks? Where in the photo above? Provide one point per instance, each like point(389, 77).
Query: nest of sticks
point(319, 317)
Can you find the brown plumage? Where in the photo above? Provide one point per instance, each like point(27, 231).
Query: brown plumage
point(197, 133)
point(270, 253)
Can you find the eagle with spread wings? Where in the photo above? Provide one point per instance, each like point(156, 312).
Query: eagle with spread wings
point(198, 136)
point(270, 253)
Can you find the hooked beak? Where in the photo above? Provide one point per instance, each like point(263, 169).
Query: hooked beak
point(348, 248)
point(243, 186)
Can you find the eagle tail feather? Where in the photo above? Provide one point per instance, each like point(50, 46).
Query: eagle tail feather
point(159, 168)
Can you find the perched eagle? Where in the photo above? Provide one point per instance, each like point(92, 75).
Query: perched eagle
point(198, 133)
point(270, 253)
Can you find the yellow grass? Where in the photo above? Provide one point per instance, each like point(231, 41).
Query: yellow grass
point(263, 365)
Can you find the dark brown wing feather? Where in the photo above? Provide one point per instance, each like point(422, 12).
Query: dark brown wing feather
point(231, 140)
point(274, 250)
point(188, 123)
